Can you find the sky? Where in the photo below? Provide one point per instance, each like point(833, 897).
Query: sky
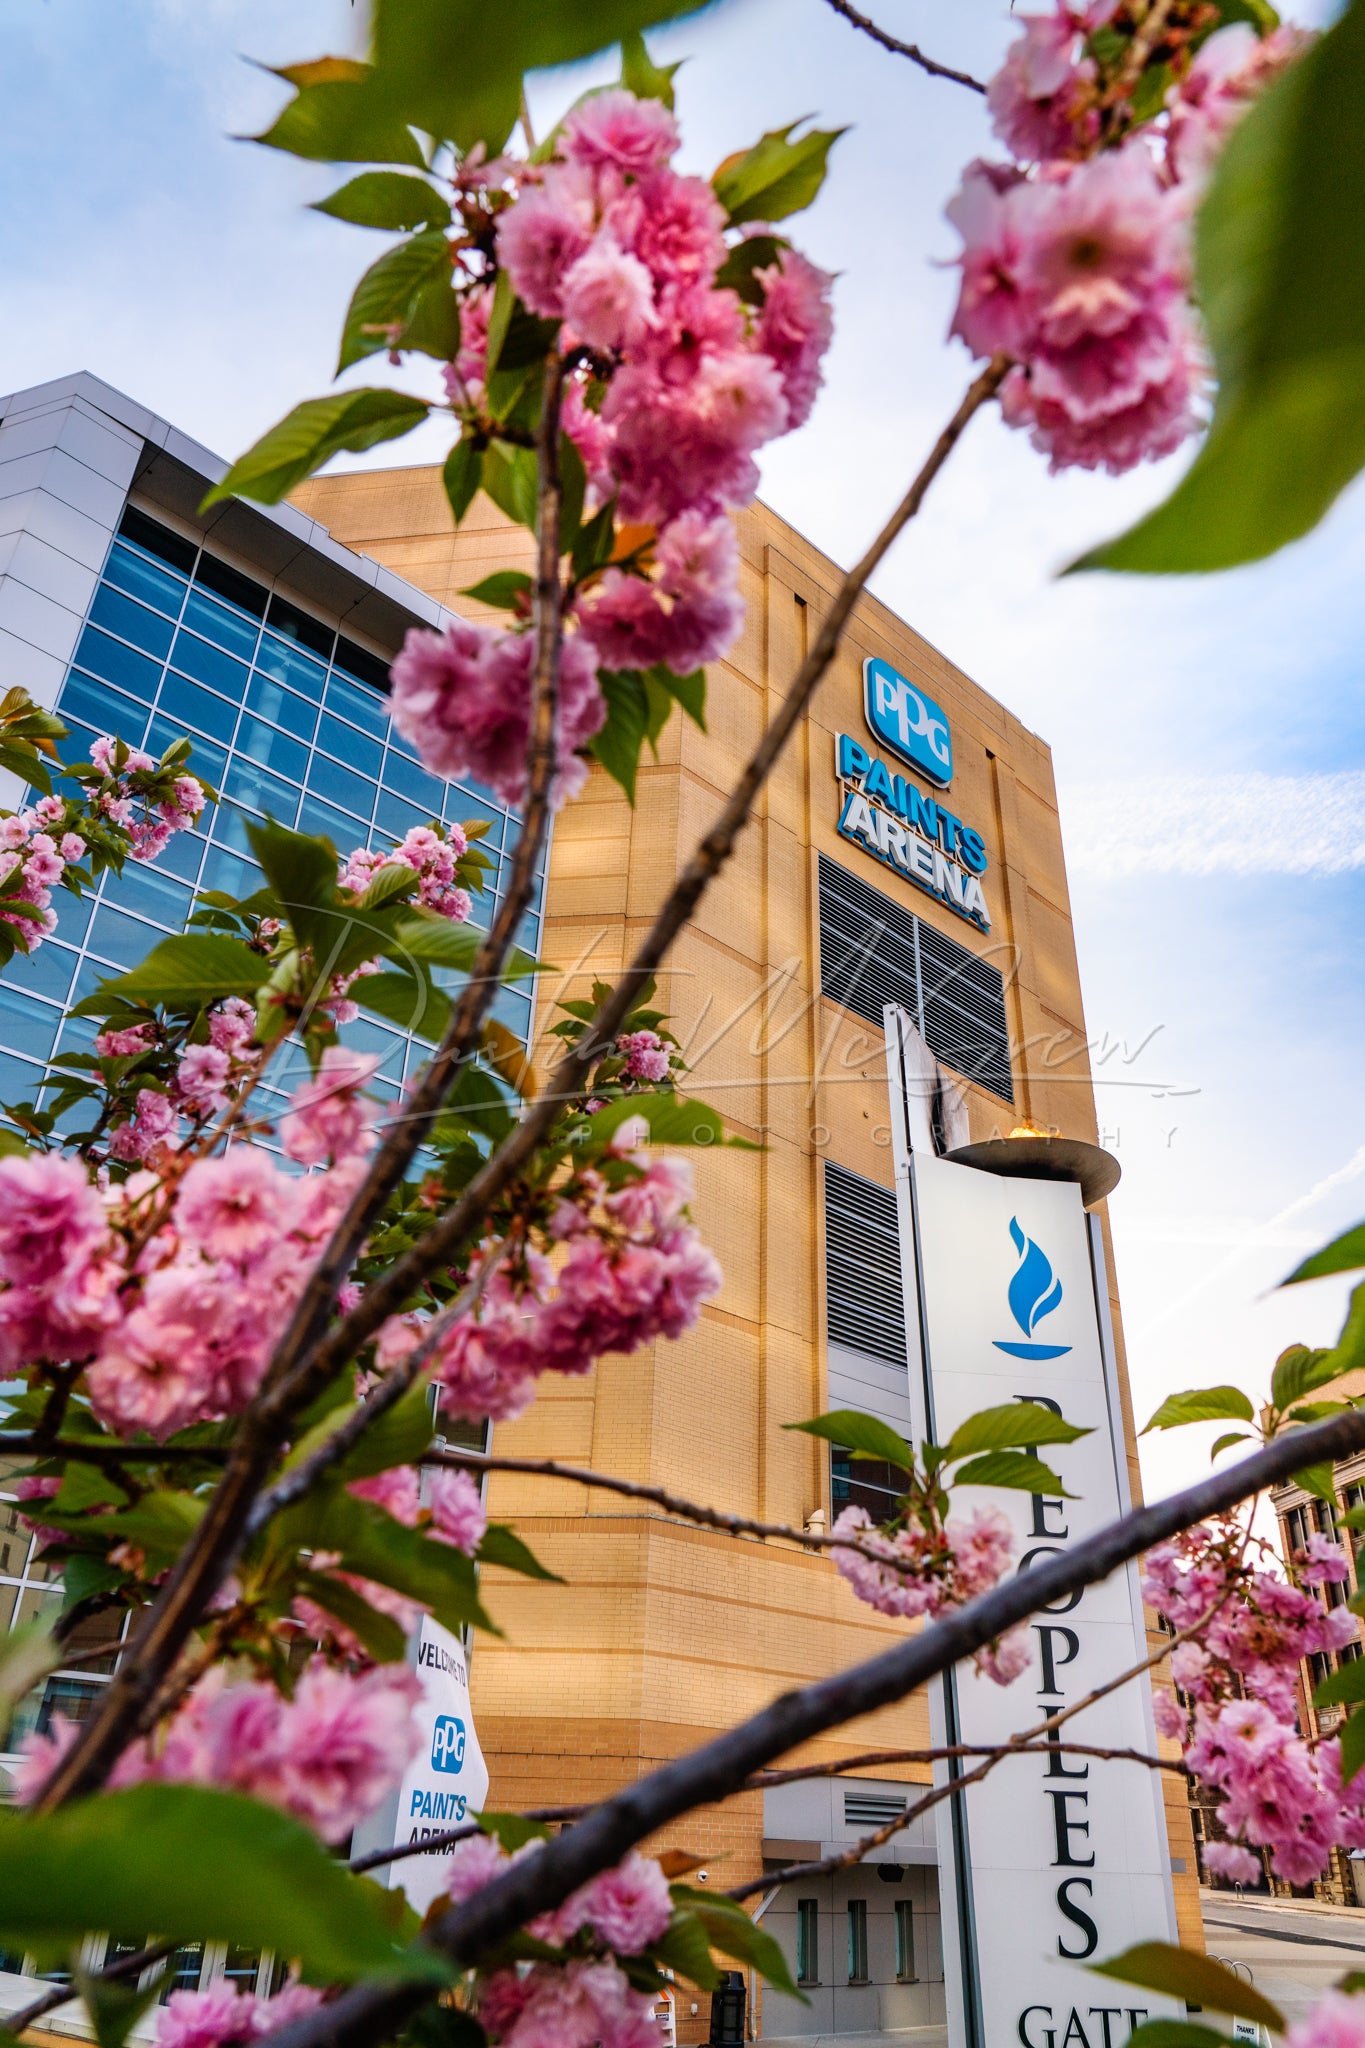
point(1208, 734)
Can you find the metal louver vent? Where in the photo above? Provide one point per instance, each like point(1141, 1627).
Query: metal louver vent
point(870, 1809)
point(863, 1304)
point(873, 951)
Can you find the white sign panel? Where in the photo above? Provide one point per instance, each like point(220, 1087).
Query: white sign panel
point(447, 1781)
point(1064, 1859)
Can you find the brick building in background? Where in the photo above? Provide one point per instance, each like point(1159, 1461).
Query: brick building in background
point(266, 635)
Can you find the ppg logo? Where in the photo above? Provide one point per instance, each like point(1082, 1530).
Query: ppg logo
point(907, 721)
point(447, 1743)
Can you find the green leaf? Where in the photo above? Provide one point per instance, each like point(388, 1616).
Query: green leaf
point(410, 1001)
point(461, 476)
point(504, 1547)
point(1225, 1443)
point(310, 435)
point(1299, 1371)
point(512, 1830)
point(454, 67)
point(729, 1928)
point(1011, 1468)
point(509, 478)
point(387, 293)
point(384, 1638)
point(197, 1865)
point(186, 972)
point(505, 588)
point(641, 75)
point(375, 1546)
point(27, 1655)
point(1352, 1737)
point(777, 176)
point(1342, 1686)
point(1343, 1255)
point(116, 2007)
point(672, 1120)
point(1160, 1966)
point(387, 199)
point(337, 117)
point(1317, 1480)
point(617, 746)
point(686, 1949)
point(862, 1435)
point(1015, 1422)
point(1204, 1404)
point(688, 690)
point(1280, 277)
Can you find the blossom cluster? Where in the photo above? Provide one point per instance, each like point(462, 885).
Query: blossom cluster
point(327, 1756)
point(175, 1293)
point(928, 1569)
point(32, 863)
point(637, 1272)
point(136, 794)
point(226, 2017)
point(1076, 260)
point(1239, 1728)
point(583, 1998)
point(673, 384)
point(433, 853)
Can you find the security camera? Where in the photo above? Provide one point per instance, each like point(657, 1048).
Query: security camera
point(701, 1877)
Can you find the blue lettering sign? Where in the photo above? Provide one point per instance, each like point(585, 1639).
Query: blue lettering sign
point(909, 723)
point(447, 1743)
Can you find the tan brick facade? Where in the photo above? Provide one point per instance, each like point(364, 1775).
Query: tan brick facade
point(664, 1634)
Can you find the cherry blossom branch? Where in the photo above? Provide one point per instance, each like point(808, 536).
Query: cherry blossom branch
point(83, 1453)
point(540, 1883)
point(301, 1367)
point(707, 1518)
point(900, 49)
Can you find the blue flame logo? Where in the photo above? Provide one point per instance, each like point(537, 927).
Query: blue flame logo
point(1034, 1292)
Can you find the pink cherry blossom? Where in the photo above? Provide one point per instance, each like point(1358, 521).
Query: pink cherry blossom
point(397, 1491)
point(795, 328)
point(615, 129)
point(607, 295)
point(199, 1080)
point(544, 234)
point(121, 1044)
point(206, 2019)
point(1230, 1860)
point(628, 1907)
point(50, 1218)
point(1040, 100)
point(645, 1054)
point(347, 1740)
point(475, 1863)
point(458, 1515)
point(1008, 1658)
point(154, 1123)
point(327, 1116)
point(233, 1207)
point(463, 699)
point(232, 1026)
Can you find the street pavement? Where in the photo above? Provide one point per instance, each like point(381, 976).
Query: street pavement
point(1293, 1949)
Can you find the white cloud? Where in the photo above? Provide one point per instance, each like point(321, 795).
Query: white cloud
point(1253, 824)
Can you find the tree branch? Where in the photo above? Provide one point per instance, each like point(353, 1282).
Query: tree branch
point(541, 1882)
point(62, 1994)
point(900, 49)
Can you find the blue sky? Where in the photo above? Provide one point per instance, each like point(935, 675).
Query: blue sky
point(1209, 735)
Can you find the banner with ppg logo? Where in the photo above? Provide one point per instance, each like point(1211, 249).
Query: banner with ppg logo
point(447, 1781)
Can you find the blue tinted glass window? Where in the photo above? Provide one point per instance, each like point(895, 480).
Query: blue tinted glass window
point(206, 761)
point(361, 706)
point(186, 703)
point(148, 580)
point(369, 1037)
point(46, 973)
point(348, 745)
point(414, 783)
point(183, 855)
point(272, 749)
point(230, 872)
point(337, 784)
point(77, 1034)
point(19, 1081)
point(155, 893)
point(230, 828)
point(28, 1026)
point(73, 915)
point(105, 709)
point(291, 665)
point(316, 816)
point(222, 624)
point(271, 700)
point(117, 664)
point(123, 940)
point(195, 657)
point(132, 621)
point(262, 791)
point(461, 805)
point(394, 816)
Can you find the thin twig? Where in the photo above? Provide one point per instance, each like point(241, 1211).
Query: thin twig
point(63, 1994)
point(673, 1503)
point(900, 49)
point(83, 1453)
point(538, 1884)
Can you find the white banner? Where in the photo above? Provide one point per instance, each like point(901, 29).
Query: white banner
point(1062, 1860)
point(447, 1781)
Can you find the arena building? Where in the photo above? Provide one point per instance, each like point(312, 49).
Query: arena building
point(907, 849)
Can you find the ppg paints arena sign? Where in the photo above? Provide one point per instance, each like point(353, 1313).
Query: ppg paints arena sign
point(881, 812)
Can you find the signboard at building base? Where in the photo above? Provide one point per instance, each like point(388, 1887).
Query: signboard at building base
point(447, 1781)
point(1053, 1860)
